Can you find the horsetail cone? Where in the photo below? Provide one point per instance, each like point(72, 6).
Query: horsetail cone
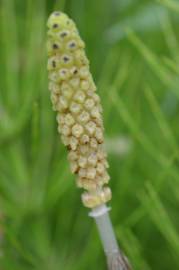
point(74, 98)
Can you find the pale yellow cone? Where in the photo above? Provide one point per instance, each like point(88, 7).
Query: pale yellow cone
point(74, 98)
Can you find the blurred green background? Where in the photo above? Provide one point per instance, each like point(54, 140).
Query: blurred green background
point(133, 48)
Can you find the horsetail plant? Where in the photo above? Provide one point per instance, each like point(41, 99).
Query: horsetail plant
point(74, 98)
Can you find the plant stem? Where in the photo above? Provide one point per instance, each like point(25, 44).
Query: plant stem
point(115, 259)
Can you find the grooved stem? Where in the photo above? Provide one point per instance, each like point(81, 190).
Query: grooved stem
point(115, 259)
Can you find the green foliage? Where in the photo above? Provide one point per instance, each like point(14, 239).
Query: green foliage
point(133, 48)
